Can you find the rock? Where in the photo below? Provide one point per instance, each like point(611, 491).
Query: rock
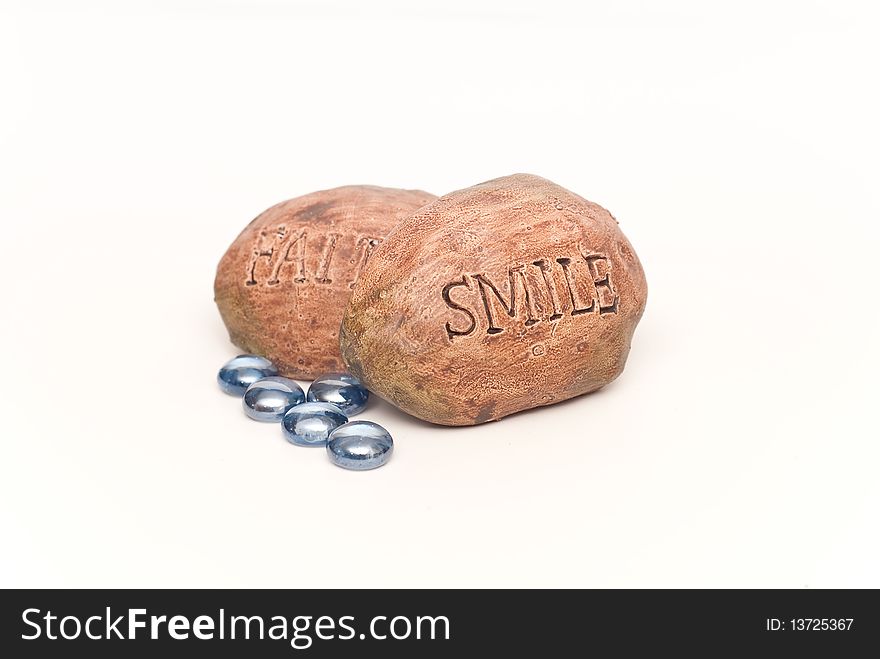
point(508, 295)
point(282, 286)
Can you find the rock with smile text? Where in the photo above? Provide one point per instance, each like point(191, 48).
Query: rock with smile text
point(507, 295)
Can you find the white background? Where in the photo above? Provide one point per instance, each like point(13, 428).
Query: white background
point(737, 143)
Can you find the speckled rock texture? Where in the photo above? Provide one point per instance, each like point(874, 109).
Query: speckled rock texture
point(282, 286)
point(507, 295)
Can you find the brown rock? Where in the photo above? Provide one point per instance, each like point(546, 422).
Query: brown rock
point(504, 296)
point(282, 286)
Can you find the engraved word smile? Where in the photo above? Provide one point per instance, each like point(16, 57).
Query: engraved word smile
point(543, 290)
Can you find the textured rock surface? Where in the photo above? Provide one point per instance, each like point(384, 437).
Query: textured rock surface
point(504, 296)
point(282, 286)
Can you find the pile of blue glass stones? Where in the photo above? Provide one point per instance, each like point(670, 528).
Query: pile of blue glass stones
point(319, 418)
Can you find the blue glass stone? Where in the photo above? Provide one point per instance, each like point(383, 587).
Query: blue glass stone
point(342, 390)
point(268, 399)
point(360, 445)
point(310, 424)
point(241, 372)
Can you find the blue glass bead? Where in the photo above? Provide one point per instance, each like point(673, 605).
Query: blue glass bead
point(268, 399)
point(310, 424)
point(341, 389)
point(239, 373)
point(360, 445)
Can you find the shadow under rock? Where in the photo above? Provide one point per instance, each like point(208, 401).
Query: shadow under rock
point(414, 422)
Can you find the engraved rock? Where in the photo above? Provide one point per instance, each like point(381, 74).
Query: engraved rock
point(508, 295)
point(282, 286)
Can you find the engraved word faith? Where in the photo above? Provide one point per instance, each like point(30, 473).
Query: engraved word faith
point(281, 255)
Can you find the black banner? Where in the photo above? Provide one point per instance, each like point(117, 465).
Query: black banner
point(317, 623)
